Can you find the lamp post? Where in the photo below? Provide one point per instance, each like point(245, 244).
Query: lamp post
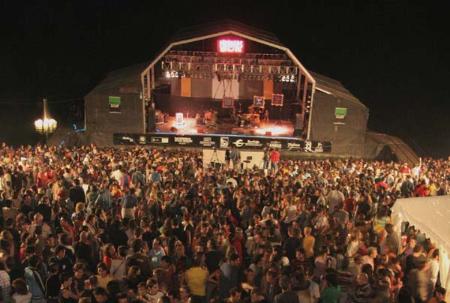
point(46, 125)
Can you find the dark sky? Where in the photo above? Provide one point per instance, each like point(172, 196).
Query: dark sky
point(393, 55)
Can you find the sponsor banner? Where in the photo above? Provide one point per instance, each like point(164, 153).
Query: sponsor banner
point(159, 140)
point(275, 144)
point(183, 140)
point(223, 142)
point(207, 142)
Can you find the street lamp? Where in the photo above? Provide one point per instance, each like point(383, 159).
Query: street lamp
point(46, 125)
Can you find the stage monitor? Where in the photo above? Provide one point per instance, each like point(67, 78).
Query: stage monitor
point(235, 46)
point(227, 102)
point(258, 101)
point(277, 99)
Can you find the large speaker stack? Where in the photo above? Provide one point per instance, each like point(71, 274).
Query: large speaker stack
point(298, 130)
point(151, 121)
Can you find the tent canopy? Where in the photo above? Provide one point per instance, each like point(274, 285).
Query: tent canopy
point(430, 215)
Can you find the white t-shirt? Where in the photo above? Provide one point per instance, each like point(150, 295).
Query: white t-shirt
point(22, 298)
point(117, 175)
point(118, 268)
point(434, 272)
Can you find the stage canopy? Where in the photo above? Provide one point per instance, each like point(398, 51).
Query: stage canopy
point(430, 215)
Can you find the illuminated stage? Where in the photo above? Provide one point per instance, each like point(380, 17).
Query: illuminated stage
point(231, 69)
point(280, 128)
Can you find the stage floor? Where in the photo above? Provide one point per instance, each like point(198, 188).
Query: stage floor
point(272, 128)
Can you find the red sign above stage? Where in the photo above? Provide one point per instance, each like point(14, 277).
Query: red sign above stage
point(231, 46)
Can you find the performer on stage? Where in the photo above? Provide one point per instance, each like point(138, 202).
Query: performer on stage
point(199, 119)
point(266, 116)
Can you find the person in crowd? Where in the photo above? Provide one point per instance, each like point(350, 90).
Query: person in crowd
point(331, 292)
point(21, 294)
point(439, 295)
point(34, 280)
point(287, 295)
point(196, 278)
point(103, 275)
point(101, 295)
point(229, 277)
point(235, 156)
point(274, 159)
point(418, 280)
point(5, 282)
point(235, 296)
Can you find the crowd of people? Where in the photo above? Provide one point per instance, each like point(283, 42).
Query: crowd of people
point(100, 225)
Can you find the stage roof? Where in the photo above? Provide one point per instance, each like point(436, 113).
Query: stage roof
point(128, 75)
point(225, 25)
point(328, 85)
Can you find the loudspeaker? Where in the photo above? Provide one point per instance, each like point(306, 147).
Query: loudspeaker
point(298, 130)
point(298, 121)
point(151, 120)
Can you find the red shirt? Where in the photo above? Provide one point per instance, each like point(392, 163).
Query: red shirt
point(275, 156)
point(107, 260)
point(349, 205)
point(405, 170)
point(421, 191)
point(237, 244)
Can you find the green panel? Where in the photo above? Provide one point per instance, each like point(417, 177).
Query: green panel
point(340, 112)
point(114, 101)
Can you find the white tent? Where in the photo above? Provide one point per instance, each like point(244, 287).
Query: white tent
point(431, 216)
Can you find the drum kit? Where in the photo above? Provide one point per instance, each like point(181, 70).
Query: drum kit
point(252, 118)
point(249, 120)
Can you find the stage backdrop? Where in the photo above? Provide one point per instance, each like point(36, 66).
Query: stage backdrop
point(225, 88)
point(217, 89)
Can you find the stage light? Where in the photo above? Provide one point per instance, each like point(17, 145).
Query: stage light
point(46, 125)
point(231, 46)
point(172, 74)
point(273, 130)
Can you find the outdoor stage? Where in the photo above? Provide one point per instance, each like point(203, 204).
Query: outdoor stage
point(234, 86)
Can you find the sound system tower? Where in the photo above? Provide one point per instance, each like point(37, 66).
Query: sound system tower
point(298, 129)
point(151, 120)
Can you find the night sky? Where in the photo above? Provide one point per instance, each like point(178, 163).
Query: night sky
point(393, 55)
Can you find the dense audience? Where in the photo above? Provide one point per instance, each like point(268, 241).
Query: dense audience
point(102, 225)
